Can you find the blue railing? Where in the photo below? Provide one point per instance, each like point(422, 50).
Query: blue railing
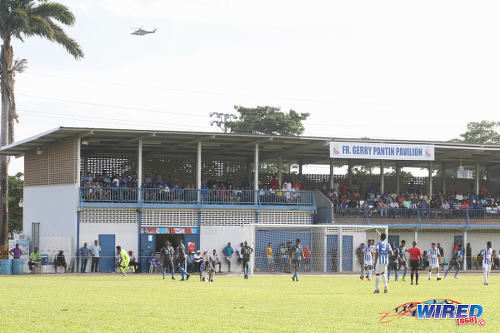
point(194, 196)
point(418, 215)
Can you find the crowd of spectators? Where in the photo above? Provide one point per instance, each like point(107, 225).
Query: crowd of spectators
point(121, 188)
point(370, 202)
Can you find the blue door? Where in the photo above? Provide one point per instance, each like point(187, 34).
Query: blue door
point(347, 253)
point(395, 239)
point(147, 246)
point(332, 248)
point(107, 261)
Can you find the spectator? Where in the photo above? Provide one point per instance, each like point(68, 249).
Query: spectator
point(133, 262)
point(360, 255)
point(153, 262)
point(16, 252)
point(468, 255)
point(214, 260)
point(228, 254)
point(269, 257)
point(190, 262)
point(60, 260)
point(240, 256)
point(307, 258)
point(495, 260)
point(84, 256)
point(441, 252)
point(283, 257)
point(197, 259)
point(35, 258)
point(95, 252)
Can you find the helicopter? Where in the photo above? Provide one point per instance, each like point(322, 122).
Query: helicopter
point(142, 32)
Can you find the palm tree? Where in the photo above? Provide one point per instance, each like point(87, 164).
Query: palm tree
point(20, 19)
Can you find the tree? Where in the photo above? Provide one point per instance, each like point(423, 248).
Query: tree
point(483, 132)
point(20, 19)
point(15, 198)
point(267, 120)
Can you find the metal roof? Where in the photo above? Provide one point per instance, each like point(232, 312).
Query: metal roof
point(306, 149)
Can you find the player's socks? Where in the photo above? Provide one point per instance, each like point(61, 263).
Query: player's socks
point(385, 280)
point(411, 275)
point(377, 280)
point(416, 276)
point(404, 273)
point(396, 278)
point(164, 273)
point(172, 271)
point(446, 273)
point(456, 273)
point(183, 272)
point(430, 275)
point(485, 274)
point(438, 278)
point(388, 275)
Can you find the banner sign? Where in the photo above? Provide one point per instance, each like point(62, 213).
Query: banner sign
point(169, 230)
point(381, 151)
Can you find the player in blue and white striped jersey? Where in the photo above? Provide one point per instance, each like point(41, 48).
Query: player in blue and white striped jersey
point(487, 260)
point(368, 258)
point(382, 252)
point(434, 259)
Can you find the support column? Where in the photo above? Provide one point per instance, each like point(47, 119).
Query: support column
point(198, 171)
point(280, 171)
point(415, 236)
point(349, 173)
point(340, 249)
point(256, 172)
point(443, 173)
point(430, 178)
point(382, 185)
point(477, 179)
point(398, 177)
point(331, 175)
point(464, 245)
point(139, 170)
point(300, 168)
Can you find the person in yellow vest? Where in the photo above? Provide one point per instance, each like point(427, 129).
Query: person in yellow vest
point(269, 257)
point(123, 259)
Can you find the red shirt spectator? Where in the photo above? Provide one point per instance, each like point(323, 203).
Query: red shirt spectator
point(307, 253)
point(415, 253)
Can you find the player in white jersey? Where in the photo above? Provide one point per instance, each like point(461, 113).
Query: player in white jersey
point(434, 259)
point(487, 260)
point(368, 259)
point(382, 252)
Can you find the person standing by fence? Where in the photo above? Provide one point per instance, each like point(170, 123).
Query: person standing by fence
point(84, 255)
point(95, 252)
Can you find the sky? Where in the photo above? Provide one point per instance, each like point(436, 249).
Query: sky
point(379, 69)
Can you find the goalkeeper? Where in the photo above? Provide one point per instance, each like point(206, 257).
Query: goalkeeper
point(123, 259)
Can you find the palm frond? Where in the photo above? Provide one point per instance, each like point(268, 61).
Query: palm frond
point(69, 43)
point(55, 11)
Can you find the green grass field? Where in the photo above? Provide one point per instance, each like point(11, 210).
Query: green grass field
point(139, 303)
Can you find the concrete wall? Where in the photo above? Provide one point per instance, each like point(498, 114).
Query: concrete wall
point(126, 234)
point(53, 206)
point(217, 238)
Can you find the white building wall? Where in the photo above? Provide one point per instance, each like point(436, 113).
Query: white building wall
point(217, 237)
point(126, 234)
point(478, 239)
point(54, 207)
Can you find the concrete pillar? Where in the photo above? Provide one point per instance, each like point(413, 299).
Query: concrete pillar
point(430, 178)
point(256, 171)
point(349, 173)
point(443, 172)
point(398, 176)
point(340, 250)
point(477, 178)
point(139, 170)
point(382, 185)
point(198, 170)
point(415, 236)
point(280, 171)
point(464, 244)
point(300, 168)
point(331, 174)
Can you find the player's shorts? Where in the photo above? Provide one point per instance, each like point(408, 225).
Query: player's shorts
point(380, 268)
point(432, 266)
point(368, 263)
point(167, 264)
point(414, 264)
point(296, 263)
point(402, 264)
point(369, 267)
point(307, 261)
point(487, 268)
point(270, 261)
